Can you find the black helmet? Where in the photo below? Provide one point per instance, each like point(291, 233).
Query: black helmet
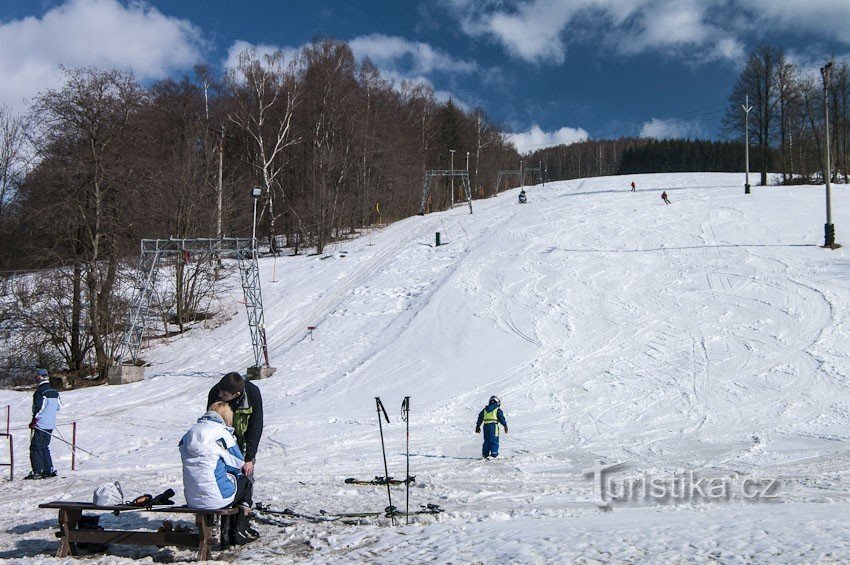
point(495, 400)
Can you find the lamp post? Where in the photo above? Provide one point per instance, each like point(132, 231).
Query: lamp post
point(452, 151)
point(828, 228)
point(746, 107)
point(256, 192)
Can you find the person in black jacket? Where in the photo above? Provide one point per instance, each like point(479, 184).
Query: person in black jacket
point(245, 400)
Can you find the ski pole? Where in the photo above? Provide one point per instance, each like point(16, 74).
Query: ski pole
point(380, 406)
point(67, 443)
point(405, 415)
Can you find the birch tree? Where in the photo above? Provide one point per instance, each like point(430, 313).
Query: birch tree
point(265, 93)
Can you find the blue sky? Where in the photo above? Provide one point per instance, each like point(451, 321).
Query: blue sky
point(548, 70)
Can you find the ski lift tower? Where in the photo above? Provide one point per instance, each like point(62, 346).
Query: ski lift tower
point(129, 368)
point(426, 186)
point(521, 174)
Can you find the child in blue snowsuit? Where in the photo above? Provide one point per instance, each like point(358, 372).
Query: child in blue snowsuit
point(491, 417)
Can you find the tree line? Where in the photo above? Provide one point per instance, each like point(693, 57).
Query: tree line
point(104, 161)
point(787, 121)
point(787, 125)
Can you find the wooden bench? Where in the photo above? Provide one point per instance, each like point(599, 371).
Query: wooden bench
point(70, 534)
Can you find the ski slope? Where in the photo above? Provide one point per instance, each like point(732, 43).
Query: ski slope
point(710, 335)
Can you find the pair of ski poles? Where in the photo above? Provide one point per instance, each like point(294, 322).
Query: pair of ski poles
point(405, 415)
point(66, 442)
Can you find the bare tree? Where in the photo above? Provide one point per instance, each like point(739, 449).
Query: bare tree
point(265, 93)
point(760, 80)
point(85, 120)
point(12, 159)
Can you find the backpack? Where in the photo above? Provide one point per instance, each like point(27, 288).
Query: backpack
point(109, 494)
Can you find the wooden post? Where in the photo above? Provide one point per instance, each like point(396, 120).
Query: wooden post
point(68, 518)
point(73, 445)
point(204, 523)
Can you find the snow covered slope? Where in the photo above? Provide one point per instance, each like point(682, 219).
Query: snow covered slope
point(708, 336)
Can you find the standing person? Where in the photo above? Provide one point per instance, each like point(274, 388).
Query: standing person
point(212, 470)
point(45, 406)
point(491, 416)
point(634, 186)
point(664, 197)
point(245, 400)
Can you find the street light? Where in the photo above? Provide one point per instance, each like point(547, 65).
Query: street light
point(828, 228)
point(256, 192)
point(452, 151)
point(746, 107)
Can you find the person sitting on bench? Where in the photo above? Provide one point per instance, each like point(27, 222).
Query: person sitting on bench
point(212, 476)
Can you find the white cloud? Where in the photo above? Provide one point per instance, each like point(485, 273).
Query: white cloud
point(540, 31)
point(824, 17)
point(99, 33)
point(408, 57)
point(535, 138)
point(671, 128)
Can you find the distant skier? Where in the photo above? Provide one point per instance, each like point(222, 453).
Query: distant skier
point(664, 197)
point(491, 417)
point(634, 186)
point(522, 198)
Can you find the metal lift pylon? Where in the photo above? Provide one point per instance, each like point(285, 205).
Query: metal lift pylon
point(152, 251)
point(426, 186)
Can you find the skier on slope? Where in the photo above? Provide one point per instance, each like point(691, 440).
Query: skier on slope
point(634, 186)
point(491, 417)
point(522, 198)
point(664, 197)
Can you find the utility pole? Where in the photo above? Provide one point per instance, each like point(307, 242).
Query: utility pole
point(452, 200)
point(219, 204)
point(746, 107)
point(828, 228)
point(521, 175)
point(540, 170)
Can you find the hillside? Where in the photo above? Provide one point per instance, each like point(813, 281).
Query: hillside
point(710, 335)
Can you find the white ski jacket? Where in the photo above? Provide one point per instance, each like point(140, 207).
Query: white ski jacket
point(211, 463)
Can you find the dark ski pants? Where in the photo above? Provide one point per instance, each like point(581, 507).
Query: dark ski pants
point(491, 440)
point(244, 490)
point(40, 459)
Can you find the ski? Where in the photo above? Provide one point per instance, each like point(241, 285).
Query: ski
point(381, 481)
point(324, 516)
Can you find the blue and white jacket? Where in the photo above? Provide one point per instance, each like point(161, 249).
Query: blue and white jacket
point(45, 405)
point(211, 463)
